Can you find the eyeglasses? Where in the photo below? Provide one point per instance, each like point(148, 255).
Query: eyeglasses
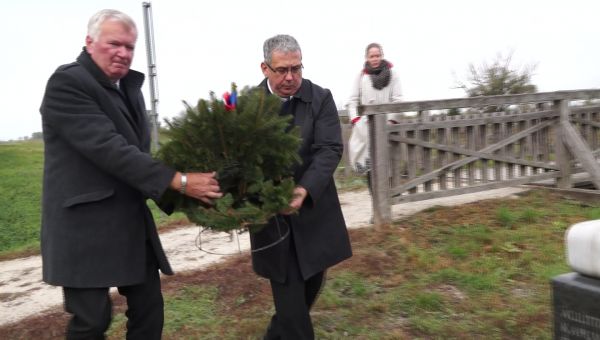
point(282, 71)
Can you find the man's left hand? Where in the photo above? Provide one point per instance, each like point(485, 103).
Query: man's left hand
point(297, 199)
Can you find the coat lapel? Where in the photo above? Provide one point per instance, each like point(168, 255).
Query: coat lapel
point(129, 85)
point(302, 110)
point(120, 101)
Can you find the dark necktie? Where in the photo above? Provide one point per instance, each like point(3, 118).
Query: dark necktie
point(286, 106)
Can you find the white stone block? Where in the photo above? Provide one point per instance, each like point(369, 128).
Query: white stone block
point(583, 247)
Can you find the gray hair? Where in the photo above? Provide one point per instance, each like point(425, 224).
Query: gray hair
point(370, 46)
point(104, 15)
point(282, 43)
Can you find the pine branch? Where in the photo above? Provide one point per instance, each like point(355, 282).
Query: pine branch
point(250, 146)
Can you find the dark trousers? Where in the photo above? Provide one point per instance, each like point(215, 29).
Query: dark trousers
point(91, 308)
point(293, 300)
point(369, 183)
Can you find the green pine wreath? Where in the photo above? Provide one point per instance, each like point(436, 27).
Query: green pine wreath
point(250, 146)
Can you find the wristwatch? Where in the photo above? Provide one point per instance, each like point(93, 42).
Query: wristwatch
point(183, 183)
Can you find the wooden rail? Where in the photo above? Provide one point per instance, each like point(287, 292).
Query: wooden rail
point(533, 137)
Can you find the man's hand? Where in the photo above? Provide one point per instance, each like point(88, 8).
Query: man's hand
point(200, 185)
point(297, 199)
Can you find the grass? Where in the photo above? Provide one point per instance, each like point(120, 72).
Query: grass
point(21, 171)
point(445, 273)
point(475, 271)
point(351, 182)
point(181, 313)
point(21, 167)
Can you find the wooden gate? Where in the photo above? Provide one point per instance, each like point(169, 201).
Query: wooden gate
point(531, 137)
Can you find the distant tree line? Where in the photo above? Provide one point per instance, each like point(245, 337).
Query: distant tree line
point(34, 136)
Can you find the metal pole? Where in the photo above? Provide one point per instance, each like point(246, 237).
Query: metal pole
point(150, 52)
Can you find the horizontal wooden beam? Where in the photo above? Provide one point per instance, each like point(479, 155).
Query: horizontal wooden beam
point(473, 188)
point(469, 120)
point(585, 122)
point(483, 101)
point(475, 153)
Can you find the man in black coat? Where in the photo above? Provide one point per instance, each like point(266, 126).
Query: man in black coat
point(318, 238)
point(97, 231)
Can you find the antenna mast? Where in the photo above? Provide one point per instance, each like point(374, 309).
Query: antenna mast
point(151, 53)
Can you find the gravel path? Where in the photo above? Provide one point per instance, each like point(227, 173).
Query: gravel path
point(22, 293)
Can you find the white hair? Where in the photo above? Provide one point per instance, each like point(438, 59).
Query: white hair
point(104, 15)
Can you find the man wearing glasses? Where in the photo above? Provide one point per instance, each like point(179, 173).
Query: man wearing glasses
point(318, 238)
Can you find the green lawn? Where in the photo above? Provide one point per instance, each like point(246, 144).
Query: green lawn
point(21, 171)
point(477, 271)
point(21, 167)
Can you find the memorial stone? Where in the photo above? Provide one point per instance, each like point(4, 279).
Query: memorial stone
point(576, 302)
point(576, 295)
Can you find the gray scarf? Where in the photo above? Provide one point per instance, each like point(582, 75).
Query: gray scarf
point(380, 76)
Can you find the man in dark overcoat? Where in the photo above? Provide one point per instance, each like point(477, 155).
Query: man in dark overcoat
point(318, 237)
point(97, 231)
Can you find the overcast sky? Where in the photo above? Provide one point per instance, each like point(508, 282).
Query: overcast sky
point(205, 45)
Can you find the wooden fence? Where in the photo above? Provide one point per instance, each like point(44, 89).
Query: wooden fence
point(530, 137)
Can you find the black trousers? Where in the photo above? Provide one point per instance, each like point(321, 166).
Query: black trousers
point(369, 184)
point(293, 300)
point(91, 308)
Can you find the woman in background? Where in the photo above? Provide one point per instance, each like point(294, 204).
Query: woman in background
point(377, 83)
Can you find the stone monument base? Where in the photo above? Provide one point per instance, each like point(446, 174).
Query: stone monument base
point(576, 302)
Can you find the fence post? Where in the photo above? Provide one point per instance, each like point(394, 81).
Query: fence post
point(563, 157)
point(380, 177)
point(346, 133)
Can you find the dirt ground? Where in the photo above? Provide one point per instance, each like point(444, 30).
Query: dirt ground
point(31, 309)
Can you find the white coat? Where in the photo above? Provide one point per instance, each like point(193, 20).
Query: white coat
point(363, 93)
